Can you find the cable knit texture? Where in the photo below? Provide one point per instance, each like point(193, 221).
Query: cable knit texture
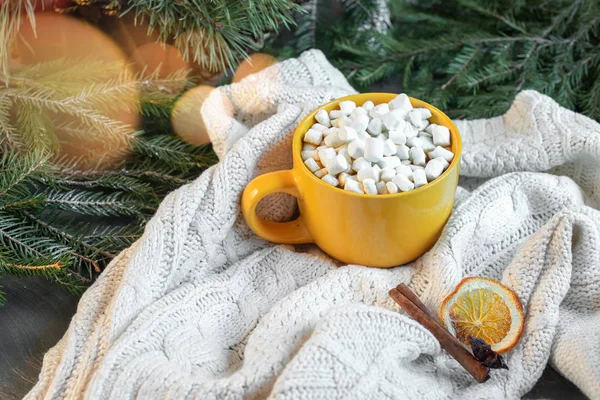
point(201, 308)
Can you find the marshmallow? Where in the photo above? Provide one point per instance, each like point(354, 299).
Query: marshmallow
point(353, 186)
point(369, 186)
point(419, 178)
point(332, 180)
point(416, 119)
point(414, 142)
point(343, 151)
point(405, 170)
point(333, 140)
point(441, 152)
point(410, 131)
point(356, 148)
point(347, 106)
point(313, 136)
point(391, 187)
point(401, 102)
point(336, 165)
point(389, 162)
point(326, 154)
point(427, 144)
point(336, 114)
point(321, 173)
point(318, 127)
point(379, 110)
point(445, 163)
point(363, 135)
point(429, 129)
point(387, 174)
point(358, 111)
point(343, 121)
point(433, 169)
point(398, 136)
point(441, 136)
point(389, 148)
point(368, 173)
point(329, 131)
point(402, 152)
point(347, 134)
point(368, 105)
point(376, 149)
point(373, 149)
point(360, 163)
point(403, 183)
point(322, 117)
point(417, 155)
point(312, 165)
point(342, 178)
point(361, 122)
point(377, 171)
point(375, 127)
point(392, 119)
point(425, 113)
point(380, 187)
point(310, 154)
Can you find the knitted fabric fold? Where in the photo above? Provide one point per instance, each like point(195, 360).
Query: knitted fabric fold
point(201, 308)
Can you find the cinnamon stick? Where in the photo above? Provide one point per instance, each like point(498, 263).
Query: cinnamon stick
point(409, 294)
point(447, 341)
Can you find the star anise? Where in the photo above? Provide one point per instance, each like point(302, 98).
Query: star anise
point(484, 353)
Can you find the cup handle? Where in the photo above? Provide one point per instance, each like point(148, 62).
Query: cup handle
point(292, 232)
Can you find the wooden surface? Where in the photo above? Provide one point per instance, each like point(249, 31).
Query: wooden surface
point(37, 315)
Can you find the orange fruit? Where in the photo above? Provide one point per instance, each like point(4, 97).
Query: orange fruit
point(486, 309)
point(252, 64)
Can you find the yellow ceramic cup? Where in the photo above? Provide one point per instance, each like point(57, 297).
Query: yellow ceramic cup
point(372, 230)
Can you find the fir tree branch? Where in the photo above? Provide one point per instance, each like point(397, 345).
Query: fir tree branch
point(134, 173)
point(70, 238)
point(431, 49)
point(11, 17)
point(57, 266)
point(25, 241)
point(43, 98)
point(584, 31)
point(94, 203)
point(29, 203)
point(22, 172)
point(215, 34)
point(57, 271)
point(6, 130)
point(508, 21)
point(461, 69)
point(19, 243)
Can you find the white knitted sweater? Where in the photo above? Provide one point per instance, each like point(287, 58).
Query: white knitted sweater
point(200, 308)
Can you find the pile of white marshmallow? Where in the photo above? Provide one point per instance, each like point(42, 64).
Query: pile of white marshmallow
point(377, 149)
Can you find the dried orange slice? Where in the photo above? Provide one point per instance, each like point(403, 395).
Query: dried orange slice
point(486, 309)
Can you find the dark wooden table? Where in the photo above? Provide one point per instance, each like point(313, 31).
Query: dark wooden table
point(37, 315)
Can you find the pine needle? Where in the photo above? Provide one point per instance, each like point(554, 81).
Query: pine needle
point(473, 57)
